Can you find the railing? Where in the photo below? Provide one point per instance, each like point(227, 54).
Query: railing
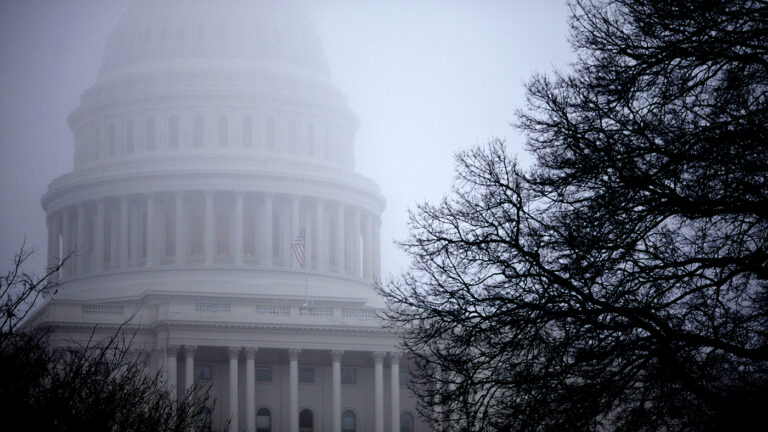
point(358, 313)
point(272, 309)
point(315, 311)
point(96, 309)
point(213, 307)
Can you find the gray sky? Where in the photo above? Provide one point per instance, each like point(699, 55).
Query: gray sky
point(425, 77)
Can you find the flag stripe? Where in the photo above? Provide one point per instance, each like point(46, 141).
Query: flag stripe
point(298, 247)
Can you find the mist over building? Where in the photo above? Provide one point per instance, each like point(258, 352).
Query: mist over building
point(214, 203)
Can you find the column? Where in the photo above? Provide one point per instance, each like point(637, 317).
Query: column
point(355, 252)
point(368, 244)
point(266, 244)
point(179, 249)
point(114, 236)
point(237, 230)
point(98, 249)
point(189, 366)
point(295, 228)
point(293, 389)
point(82, 250)
point(250, 388)
point(339, 246)
point(320, 242)
point(376, 249)
point(336, 389)
point(124, 232)
point(233, 354)
point(309, 227)
point(378, 385)
point(172, 351)
point(394, 359)
point(57, 231)
point(66, 236)
point(208, 247)
point(151, 240)
point(51, 256)
point(133, 214)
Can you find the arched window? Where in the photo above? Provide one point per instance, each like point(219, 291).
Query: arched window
point(205, 419)
point(406, 422)
point(247, 132)
point(197, 131)
point(306, 421)
point(223, 131)
point(173, 132)
point(348, 421)
point(151, 134)
point(263, 420)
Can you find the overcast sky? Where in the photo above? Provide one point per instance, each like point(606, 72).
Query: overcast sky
point(425, 77)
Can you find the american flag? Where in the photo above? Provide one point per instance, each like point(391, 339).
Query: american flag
point(298, 247)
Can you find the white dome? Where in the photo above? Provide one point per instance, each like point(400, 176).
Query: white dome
point(259, 34)
point(211, 139)
point(198, 80)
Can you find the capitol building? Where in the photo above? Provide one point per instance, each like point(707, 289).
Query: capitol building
point(214, 207)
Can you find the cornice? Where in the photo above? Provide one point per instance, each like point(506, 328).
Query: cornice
point(171, 176)
point(168, 325)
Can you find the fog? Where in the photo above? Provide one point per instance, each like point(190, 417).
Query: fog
point(425, 78)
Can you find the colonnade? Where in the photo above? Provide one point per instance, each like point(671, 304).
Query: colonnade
point(293, 385)
point(211, 227)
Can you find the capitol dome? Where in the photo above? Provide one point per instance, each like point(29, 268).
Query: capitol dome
point(214, 209)
point(211, 139)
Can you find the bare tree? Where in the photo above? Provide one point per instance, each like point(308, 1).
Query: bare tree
point(98, 386)
point(619, 283)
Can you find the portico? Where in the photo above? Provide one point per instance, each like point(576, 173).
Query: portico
point(318, 387)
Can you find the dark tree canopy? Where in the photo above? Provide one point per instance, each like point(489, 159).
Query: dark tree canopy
point(100, 386)
point(620, 282)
